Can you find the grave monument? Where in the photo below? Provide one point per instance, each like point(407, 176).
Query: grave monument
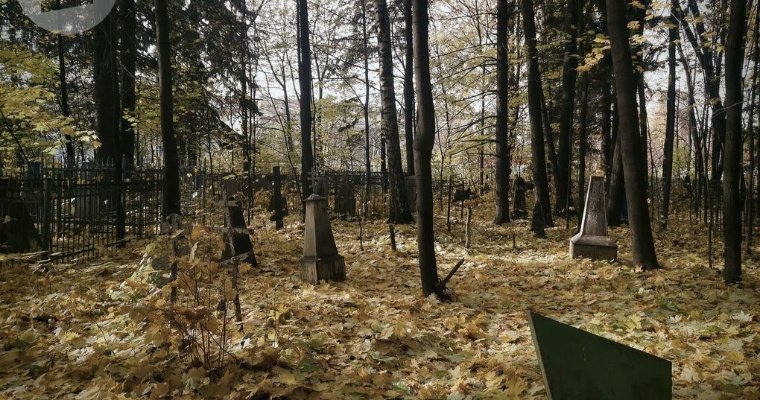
point(321, 261)
point(277, 203)
point(345, 201)
point(519, 205)
point(592, 240)
point(237, 238)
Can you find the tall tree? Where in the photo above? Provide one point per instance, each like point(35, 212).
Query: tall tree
point(409, 88)
point(365, 111)
point(700, 41)
point(304, 80)
point(634, 168)
point(534, 110)
point(399, 207)
point(171, 195)
point(751, 132)
point(732, 230)
point(128, 61)
point(670, 114)
point(502, 113)
point(567, 104)
point(106, 91)
point(70, 151)
point(423, 150)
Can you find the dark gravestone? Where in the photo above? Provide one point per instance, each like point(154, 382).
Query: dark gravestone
point(519, 207)
point(345, 201)
point(321, 261)
point(321, 187)
point(34, 173)
point(411, 193)
point(538, 223)
point(463, 194)
point(17, 231)
point(277, 203)
point(230, 187)
point(238, 238)
point(592, 241)
point(580, 365)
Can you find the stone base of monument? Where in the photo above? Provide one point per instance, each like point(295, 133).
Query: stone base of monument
point(519, 214)
point(317, 269)
point(593, 247)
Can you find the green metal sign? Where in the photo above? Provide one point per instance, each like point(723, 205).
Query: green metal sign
point(578, 365)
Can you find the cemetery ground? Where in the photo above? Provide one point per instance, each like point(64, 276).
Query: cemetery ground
point(97, 331)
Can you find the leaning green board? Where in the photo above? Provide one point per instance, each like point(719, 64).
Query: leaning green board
point(578, 365)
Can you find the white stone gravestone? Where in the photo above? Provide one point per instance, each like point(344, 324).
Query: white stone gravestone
point(593, 241)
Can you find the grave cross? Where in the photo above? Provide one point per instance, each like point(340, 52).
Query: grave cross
point(313, 180)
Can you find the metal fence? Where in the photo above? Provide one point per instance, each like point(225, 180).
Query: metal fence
point(68, 215)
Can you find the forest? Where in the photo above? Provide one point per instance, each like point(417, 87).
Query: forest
point(405, 199)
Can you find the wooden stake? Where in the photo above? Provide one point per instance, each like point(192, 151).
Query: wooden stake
point(361, 234)
point(444, 281)
point(393, 237)
point(467, 233)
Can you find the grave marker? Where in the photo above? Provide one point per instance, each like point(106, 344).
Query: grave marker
point(345, 201)
point(238, 238)
point(519, 206)
point(277, 203)
point(579, 365)
point(321, 261)
point(538, 223)
point(319, 185)
point(411, 193)
point(592, 241)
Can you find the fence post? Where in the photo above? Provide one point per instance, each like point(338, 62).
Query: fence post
point(203, 194)
point(47, 242)
point(120, 196)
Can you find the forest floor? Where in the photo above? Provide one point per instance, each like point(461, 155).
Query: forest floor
point(67, 332)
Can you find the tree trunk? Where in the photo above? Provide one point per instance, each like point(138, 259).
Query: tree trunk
point(582, 146)
point(606, 129)
point(549, 139)
point(616, 190)
point(567, 105)
point(534, 110)
point(502, 114)
point(106, 91)
point(670, 117)
point(702, 45)
point(423, 151)
point(70, 152)
point(697, 141)
point(128, 57)
point(304, 80)
point(170, 196)
point(399, 207)
point(409, 88)
point(633, 168)
point(365, 111)
point(751, 135)
point(643, 125)
point(732, 232)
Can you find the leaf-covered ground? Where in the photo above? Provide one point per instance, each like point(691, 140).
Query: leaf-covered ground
point(67, 332)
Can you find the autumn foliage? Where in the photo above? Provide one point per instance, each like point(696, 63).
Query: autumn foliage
point(109, 330)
